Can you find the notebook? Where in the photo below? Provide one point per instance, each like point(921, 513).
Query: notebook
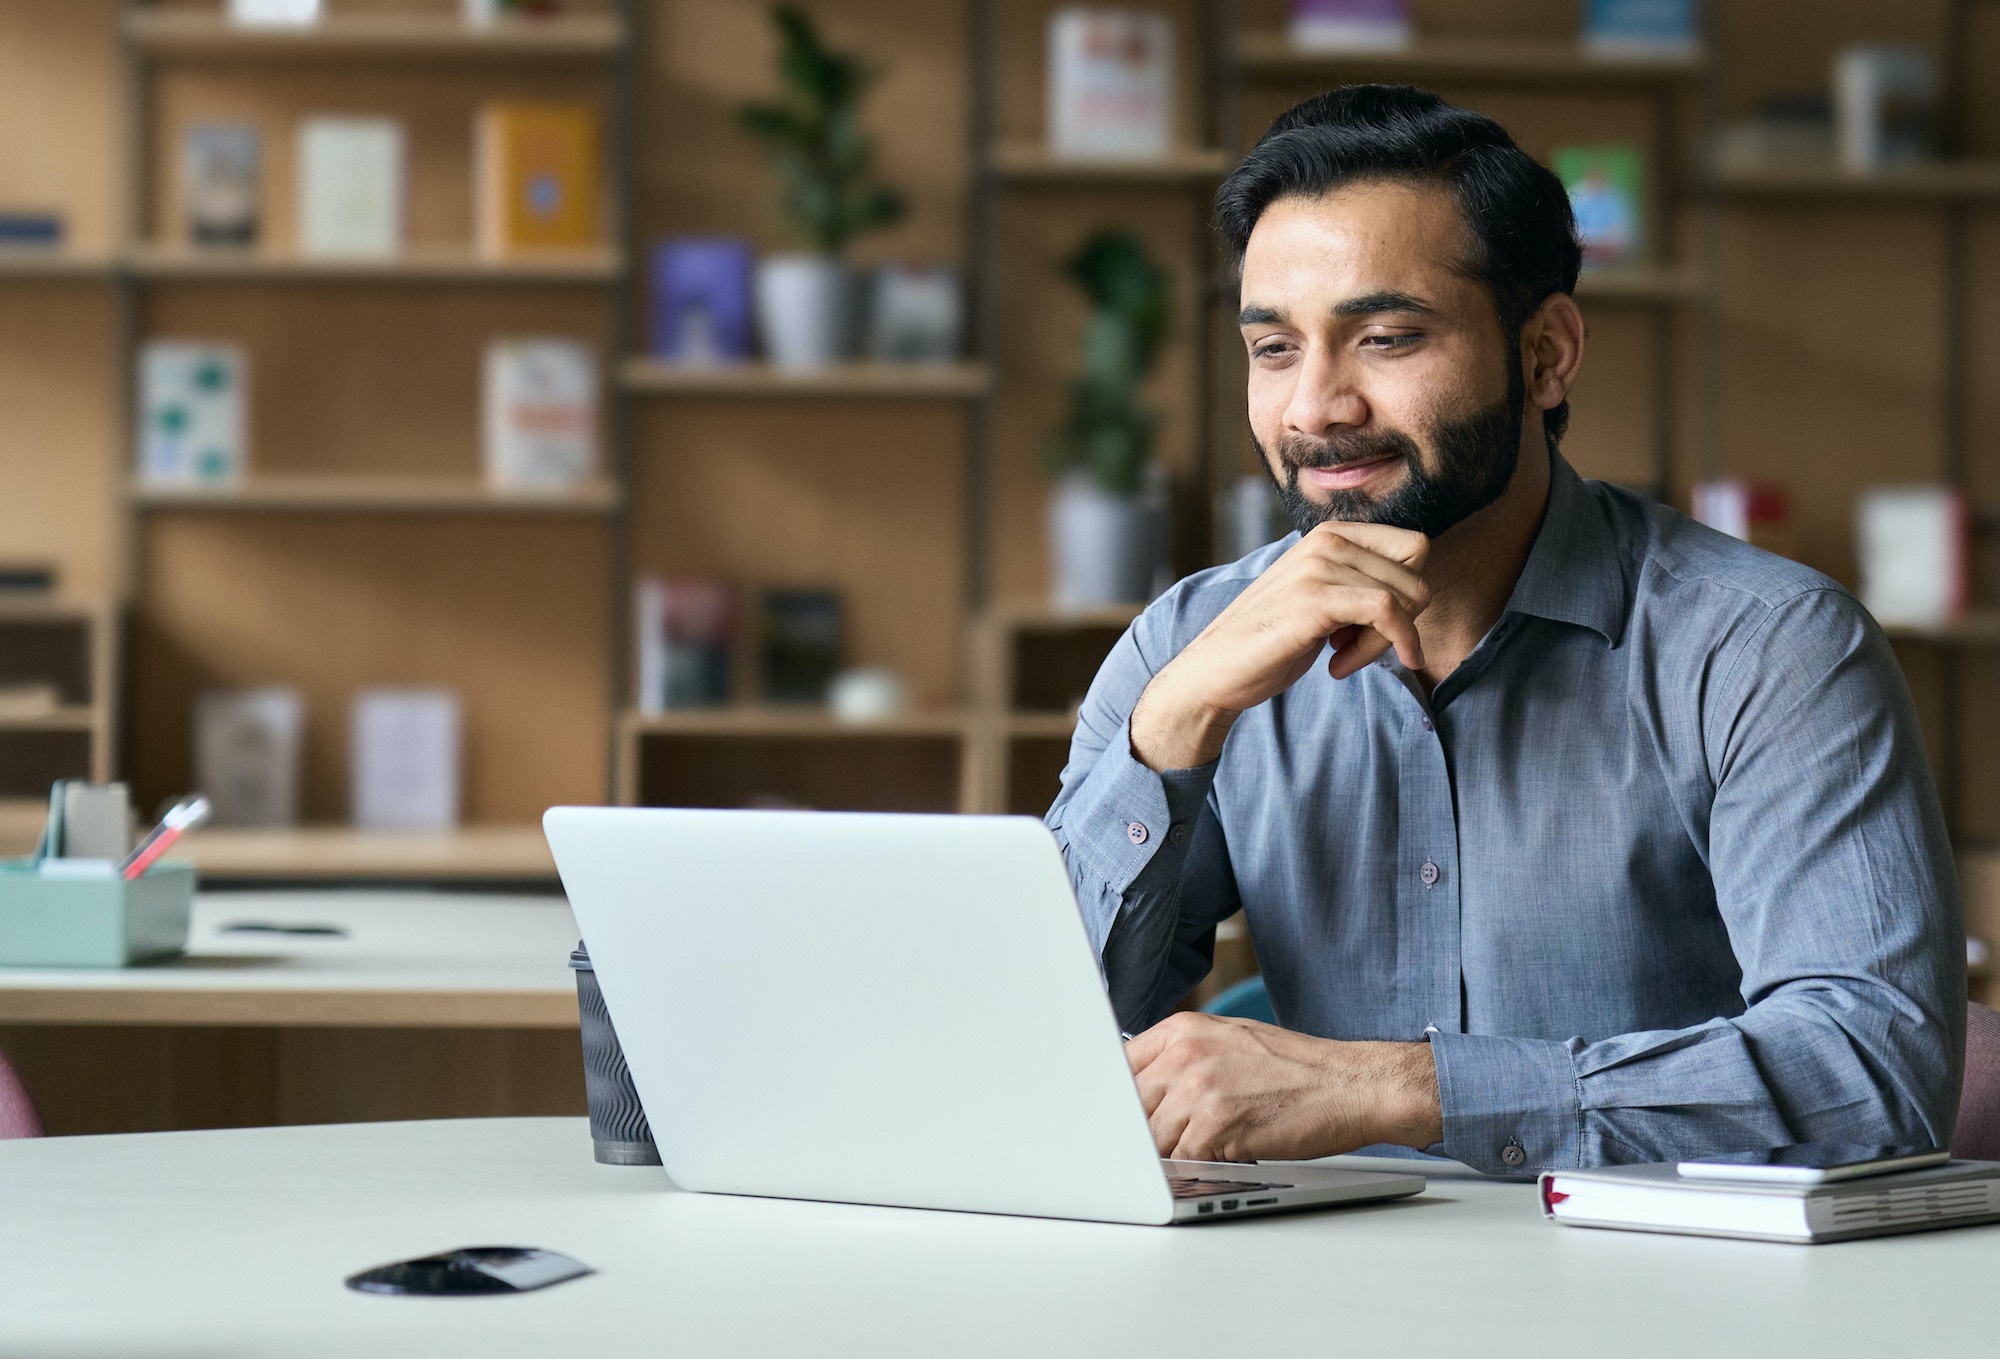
point(1656, 1198)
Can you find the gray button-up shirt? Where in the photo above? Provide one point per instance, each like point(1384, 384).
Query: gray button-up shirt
point(1661, 862)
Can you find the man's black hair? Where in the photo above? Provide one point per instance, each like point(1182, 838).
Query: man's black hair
point(1514, 206)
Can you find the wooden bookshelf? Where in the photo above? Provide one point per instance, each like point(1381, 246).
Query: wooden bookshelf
point(1494, 61)
point(30, 264)
point(71, 647)
point(358, 494)
point(774, 721)
point(324, 854)
point(185, 263)
point(1642, 285)
point(1980, 627)
point(208, 35)
point(1943, 181)
point(858, 381)
point(1033, 163)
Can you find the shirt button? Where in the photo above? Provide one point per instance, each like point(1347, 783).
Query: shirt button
point(1429, 872)
point(1427, 724)
point(1136, 832)
point(1430, 1029)
point(1514, 1154)
point(1176, 832)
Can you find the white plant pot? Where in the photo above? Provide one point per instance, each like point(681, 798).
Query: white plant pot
point(1105, 546)
point(807, 309)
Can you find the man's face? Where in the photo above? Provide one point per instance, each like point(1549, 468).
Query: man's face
point(1382, 389)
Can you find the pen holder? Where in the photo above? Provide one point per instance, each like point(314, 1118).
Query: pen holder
point(619, 1133)
point(80, 918)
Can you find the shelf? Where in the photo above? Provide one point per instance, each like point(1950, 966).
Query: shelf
point(342, 853)
point(1037, 616)
point(35, 607)
point(376, 494)
point(861, 380)
point(1641, 285)
point(21, 822)
point(1937, 182)
point(223, 264)
point(1055, 726)
point(794, 723)
point(209, 36)
point(39, 264)
point(1032, 163)
point(1979, 627)
point(1487, 61)
point(70, 717)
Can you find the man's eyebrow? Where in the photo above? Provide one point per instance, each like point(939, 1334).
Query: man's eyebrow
point(1374, 304)
point(1256, 315)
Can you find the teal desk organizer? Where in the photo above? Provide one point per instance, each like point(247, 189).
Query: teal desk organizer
point(67, 921)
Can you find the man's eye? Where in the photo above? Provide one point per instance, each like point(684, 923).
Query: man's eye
point(1391, 341)
point(1269, 351)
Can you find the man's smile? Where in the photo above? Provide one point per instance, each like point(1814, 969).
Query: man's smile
point(1348, 476)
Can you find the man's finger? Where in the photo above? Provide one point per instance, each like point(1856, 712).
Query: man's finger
point(1363, 647)
point(1347, 560)
point(1167, 1125)
point(1401, 545)
point(1376, 607)
point(1142, 1048)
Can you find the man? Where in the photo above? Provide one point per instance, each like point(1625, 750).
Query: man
point(1568, 831)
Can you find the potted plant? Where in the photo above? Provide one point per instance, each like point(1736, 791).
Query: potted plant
point(1106, 531)
point(807, 302)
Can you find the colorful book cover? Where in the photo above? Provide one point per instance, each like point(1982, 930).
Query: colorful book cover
point(1642, 27)
point(1351, 25)
point(351, 186)
point(701, 308)
point(540, 412)
point(537, 177)
point(1110, 83)
point(686, 634)
point(1607, 193)
point(191, 412)
point(221, 165)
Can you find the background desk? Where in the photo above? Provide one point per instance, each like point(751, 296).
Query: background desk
point(235, 1243)
point(433, 1005)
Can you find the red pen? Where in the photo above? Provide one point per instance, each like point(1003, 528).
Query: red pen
point(181, 818)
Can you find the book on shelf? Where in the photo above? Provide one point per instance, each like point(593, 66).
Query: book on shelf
point(274, 12)
point(1606, 185)
point(915, 313)
point(406, 751)
point(536, 178)
point(493, 11)
point(247, 746)
point(1914, 544)
point(802, 635)
point(192, 412)
point(685, 629)
point(1350, 25)
point(30, 227)
point(539, 403)
point(351, 186)
point(1885, 102)
point(1110, 83)
point(1642, 28)
point(700, 308)
point(1756, 512)
point(221, 176)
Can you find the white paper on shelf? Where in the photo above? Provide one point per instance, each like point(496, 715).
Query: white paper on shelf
point(351, 173)
point(246, 746)
point(1110, 83)
point(406, 759)
point(1913, 550)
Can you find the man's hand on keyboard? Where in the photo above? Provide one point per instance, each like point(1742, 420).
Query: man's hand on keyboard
point(1222, 1089)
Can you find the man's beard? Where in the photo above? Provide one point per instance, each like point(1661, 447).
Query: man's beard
point(1476, 457)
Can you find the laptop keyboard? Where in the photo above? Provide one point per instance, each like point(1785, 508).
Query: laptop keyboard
point(1193, 1187)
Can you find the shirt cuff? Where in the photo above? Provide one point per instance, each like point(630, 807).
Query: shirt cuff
point(1127, 817)
point(1511, 1106)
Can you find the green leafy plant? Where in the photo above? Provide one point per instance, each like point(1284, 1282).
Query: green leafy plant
point(814, 129)
point(1108, 433)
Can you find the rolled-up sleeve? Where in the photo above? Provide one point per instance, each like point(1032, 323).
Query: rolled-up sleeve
point(1144, 849)
point(1833, 875)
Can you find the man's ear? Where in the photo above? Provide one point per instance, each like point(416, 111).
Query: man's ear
point(1552, 350)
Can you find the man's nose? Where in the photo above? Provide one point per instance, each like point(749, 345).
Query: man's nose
point(1325, 398)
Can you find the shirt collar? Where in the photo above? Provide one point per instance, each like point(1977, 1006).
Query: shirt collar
point(1577, 571)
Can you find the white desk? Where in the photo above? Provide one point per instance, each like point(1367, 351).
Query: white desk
point(431, 1005)
point(406, 959)
point(236, 1242)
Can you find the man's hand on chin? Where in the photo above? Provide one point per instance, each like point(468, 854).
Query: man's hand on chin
point(1219, 1089)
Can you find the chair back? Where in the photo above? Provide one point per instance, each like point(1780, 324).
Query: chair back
point(17, 1112)
point(1977, 1136)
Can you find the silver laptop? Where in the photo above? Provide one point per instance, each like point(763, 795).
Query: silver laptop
point(883, 1009)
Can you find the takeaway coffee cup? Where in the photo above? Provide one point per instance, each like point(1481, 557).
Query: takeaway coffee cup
point(617, 1123)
